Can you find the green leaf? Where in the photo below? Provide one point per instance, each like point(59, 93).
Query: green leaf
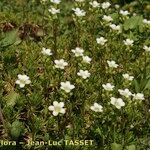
point(46, 137)
point(131, 147)
point(16, 129)
point(115, 146)
point(133, 22)
point(114, 16)
point(11, 98)
point(132, 36)
point(99, 131)
point(147, 86)
point(147, 42)
point(137, 86)
point(10, 38)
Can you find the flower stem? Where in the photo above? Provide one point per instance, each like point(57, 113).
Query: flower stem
point(55, 29)
point(2, 120)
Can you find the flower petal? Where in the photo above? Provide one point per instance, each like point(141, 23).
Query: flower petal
point(51, 108)
point(55, 113)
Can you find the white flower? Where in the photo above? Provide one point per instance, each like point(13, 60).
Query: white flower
point(125, 93)
point(117, 102)
point(60, 64)
point(23, 80)
point(117, 6)
point(128, 77)
point(105, 5)
point(138, 96)
point(57, 108)
point(107, 18)
point(86, 59)
point(79, 12)
point(66, 86)
point(145, 21)
point(101, 40)
point(97, 108)
point(46, 51)
point(108, 86)
point(56, 1)
point(112, 64)
point(128, 42)
point(84, 74)
point(115, 27)
point(146, 48)
point(79, 0)
point(78, 51)
point(95, 4)
point(54, 11)
point(124, 13)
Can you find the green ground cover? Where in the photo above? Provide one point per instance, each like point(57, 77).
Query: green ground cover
point(75, 71)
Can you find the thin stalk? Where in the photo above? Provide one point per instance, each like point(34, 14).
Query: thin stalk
point(55, 30)
point(145, 61)
point(2, 120)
